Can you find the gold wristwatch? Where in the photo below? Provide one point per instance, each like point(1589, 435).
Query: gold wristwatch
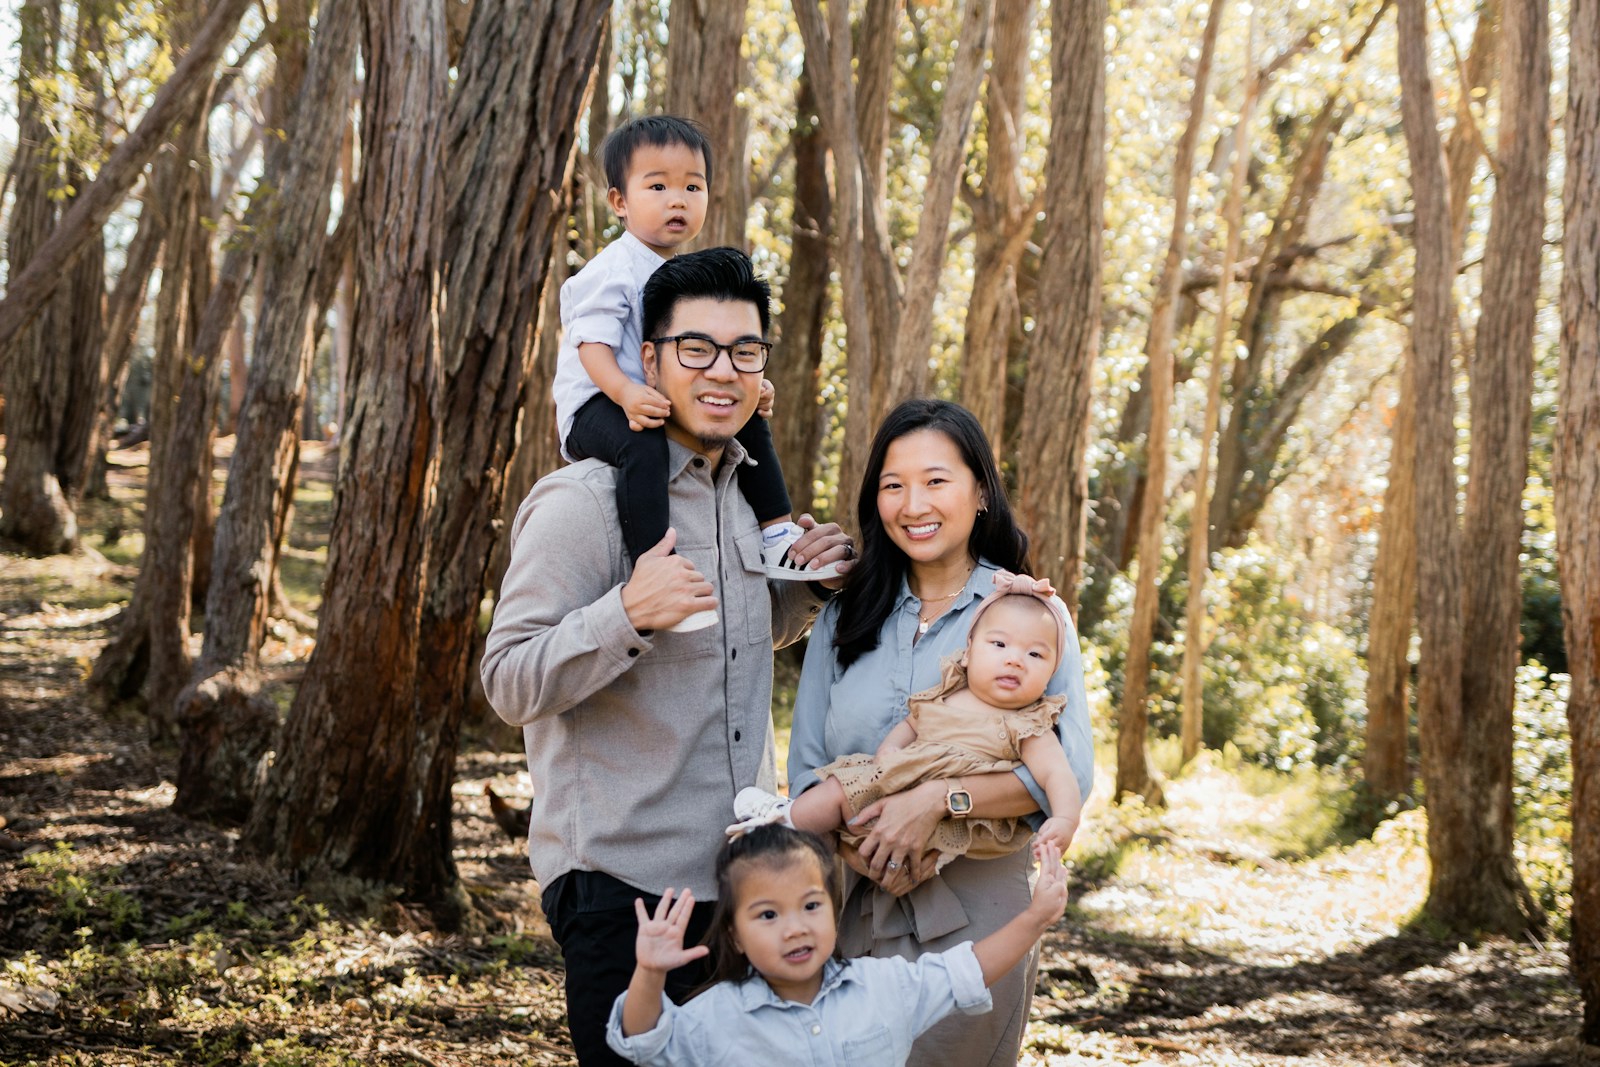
point(957, 801)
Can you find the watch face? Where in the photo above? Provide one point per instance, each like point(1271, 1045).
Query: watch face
point(960, 802)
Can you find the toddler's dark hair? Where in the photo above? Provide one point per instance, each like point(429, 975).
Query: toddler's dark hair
point(658, 131)
point(772, 846)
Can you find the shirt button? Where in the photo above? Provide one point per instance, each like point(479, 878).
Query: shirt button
point(633, 651)
point(816, 1029)
point(699, 461)
point(736, 735)
point(733, 653)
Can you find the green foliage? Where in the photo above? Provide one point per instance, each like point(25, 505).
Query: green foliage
point(85, 900)
point(1282, 688)
point(1542, 790)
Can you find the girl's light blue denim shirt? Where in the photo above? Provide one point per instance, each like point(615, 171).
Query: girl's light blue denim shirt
point(839, 712)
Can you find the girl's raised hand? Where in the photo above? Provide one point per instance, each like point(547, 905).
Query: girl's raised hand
point(1050, 891)
point(659, 946)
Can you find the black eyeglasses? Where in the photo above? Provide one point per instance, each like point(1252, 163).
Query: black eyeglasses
point(696, 351)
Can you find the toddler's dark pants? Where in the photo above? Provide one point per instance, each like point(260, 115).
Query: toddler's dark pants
point(600, 431)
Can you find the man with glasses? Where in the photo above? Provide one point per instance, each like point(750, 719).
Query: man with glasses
point(639, 737)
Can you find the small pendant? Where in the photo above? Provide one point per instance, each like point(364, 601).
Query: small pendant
point(922, 627)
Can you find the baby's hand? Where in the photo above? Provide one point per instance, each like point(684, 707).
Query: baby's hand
point(1058, 832)
point(659, 946)
point(764, 403)
point(1050, 891)
point(644, 407)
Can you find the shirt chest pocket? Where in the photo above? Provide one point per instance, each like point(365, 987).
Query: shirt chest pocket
point(746, 581)
point(874, 1047)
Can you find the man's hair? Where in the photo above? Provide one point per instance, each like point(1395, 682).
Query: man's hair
point(658, 131)
point(716, 273)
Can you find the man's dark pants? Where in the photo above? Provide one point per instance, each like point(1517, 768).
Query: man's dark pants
point(591, 917)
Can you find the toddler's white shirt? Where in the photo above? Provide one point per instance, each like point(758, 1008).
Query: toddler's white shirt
point(601, 304)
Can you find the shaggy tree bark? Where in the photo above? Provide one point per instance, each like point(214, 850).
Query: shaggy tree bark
point(509, 143)
point(1486, 891)
point(343, 795)
point(148, 651)
point(1194, 641)
point(797, 424)
point(869, 284)
point(1003, 217)
point(1133, 765)
point(1053, 482)
point(908, 363)
point(1469, 887)
point(1439, 606)
point(1386, 763)
point(1577, 488)
point(35, 509)
point(227, 724)
point(705, 75)
point(27, 292)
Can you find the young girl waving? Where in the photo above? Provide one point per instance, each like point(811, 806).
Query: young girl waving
point(779, 993)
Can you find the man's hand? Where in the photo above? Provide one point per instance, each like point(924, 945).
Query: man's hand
point(764, 401)
point(659, 947)
point(645, 408)
point(665, 589)
point(823, 544)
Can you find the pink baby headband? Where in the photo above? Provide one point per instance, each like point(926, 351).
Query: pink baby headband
point(1008, 584)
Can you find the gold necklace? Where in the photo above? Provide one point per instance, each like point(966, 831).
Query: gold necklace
point(923, 623)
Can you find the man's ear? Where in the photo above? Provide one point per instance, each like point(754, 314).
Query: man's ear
point(618, 201)
point(647, 356)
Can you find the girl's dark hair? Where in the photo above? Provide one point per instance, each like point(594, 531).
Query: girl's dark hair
point(874, 583)
point(773, 846)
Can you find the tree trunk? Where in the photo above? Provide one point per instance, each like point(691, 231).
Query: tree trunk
point(27, 291)
point(797, 425)
point(1054, 435)
point(1002, 222)
point(1386, 765)
point(705, 75)
point(35, 510)
point(1133, 766)
point(1439, 607)
point(344, 795)
point(908, 364)
point(1487, 892)
point(527, 66)
point(1194, 640)
point(1577, 489)
point(148, 652)
point(227, 723)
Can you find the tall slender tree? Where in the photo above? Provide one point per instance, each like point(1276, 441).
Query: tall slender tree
point(1133, 767)
point(1577, 489)
point(227, 722)
point(1221, 343)
point(326, 793)
point(1053, 490)
point(706, 73)
point(1003, 216)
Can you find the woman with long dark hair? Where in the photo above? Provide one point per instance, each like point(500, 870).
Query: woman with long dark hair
point(935, 528)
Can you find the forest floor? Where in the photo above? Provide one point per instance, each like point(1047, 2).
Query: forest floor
point(1207, 933)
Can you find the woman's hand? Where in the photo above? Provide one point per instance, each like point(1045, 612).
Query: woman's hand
point(900, 828)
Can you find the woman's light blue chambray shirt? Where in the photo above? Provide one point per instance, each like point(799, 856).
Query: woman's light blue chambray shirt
point(837, 713)
point(868, 1012)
